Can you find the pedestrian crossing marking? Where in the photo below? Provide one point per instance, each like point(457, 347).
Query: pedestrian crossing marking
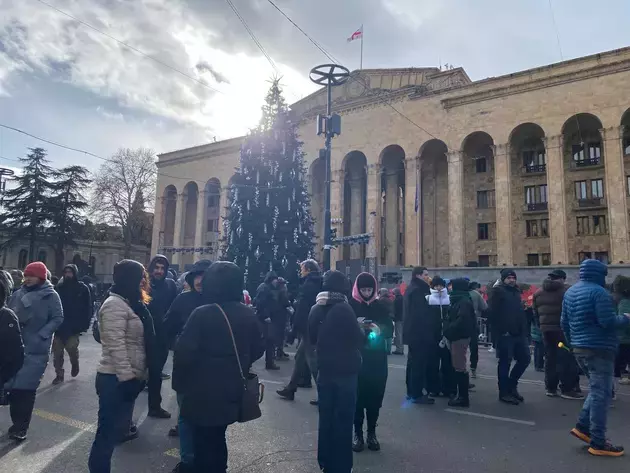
point(77, 424)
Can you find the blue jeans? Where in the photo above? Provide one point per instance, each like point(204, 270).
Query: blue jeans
point(113, 422)
point(599, 371)
point(511, 348)
point(337, 404)
point(186, 438)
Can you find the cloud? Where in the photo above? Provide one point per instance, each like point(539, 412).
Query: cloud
point(216, 75)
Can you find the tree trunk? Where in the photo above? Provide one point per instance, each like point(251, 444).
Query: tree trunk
point(127, 234)
point(59, 258)
point(31, 244)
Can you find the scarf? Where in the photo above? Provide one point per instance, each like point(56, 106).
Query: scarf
point(329, 298)
point(457, 296)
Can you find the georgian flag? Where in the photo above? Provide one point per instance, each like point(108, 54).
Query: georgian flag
point(358, 34)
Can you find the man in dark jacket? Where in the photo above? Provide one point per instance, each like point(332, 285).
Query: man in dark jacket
point(590, 324)
point(305, 359)
point(163, 293)
point(418, 335)
point(509, 325)
point(334, 331)
point(206, 369)
point(77, 314)
point(11, 347)
point(398, 322)
point(560, 366)
point(267, 305)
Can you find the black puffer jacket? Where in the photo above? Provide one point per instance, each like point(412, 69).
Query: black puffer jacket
point(506, 311)
point(547, 303)
point(11, 346)
point(163, 293)
point(76, 300)
point(418, 327)
point(205, 367)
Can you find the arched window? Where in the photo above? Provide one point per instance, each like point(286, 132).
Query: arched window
point(22, 259)
point(41, 256)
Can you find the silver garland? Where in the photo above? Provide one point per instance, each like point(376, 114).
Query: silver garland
point(285, 262)
point(257, 253)
point(289, 204)
point(239, 231)
point(265, 228)
point(250, 240)
point(256, 197)
point(276, 213)
point(295, 235)
point(267, 199)
point(257, 177)
point(248, 205)
point(275, 251)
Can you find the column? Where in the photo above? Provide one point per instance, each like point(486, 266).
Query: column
point(200, 221)
point(357, 210)
point(502, 192)
point(335, 212)
point(179, 225)
point(157, 239)
point(411, 240)
point(557, 200)
point(374, 211)
point(456, 248)
point(615, 194)
point(392, 217)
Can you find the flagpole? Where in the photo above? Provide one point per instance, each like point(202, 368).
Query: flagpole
point(361, 63)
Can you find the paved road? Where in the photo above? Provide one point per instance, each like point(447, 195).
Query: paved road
point(487, 438)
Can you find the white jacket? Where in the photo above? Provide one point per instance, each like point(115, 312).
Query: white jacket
point(122, 339)
point(438, 298)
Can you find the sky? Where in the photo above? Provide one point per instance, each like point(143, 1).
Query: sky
point(65, 82)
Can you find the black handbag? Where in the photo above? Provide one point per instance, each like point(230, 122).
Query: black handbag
point(253, 389)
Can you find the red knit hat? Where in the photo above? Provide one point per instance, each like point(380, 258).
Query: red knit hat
point(37, 269)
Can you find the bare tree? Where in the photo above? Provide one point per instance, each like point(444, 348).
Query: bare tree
point(124, 191)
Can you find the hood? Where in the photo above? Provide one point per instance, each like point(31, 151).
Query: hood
point(72, 268)
point(271, 275)
point(198, 268)
point(552, 285)
point(6, 287)
point(594, 271)
point(159, 259)
point(364, 280)
point(223, 282)
point(334, 281)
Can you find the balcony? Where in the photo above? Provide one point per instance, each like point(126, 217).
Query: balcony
point(595, 202)
point(535, 168)
point(536, 207)
point(586, 163)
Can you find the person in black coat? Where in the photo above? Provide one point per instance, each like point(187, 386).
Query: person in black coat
point(377, 323)
point(76, 300)
point(418, 335)
point(305, 357)
point(267, 306)
point(459, 328)
point(205, 367)
point(163, 293)
point(338, 338)
point(398, 322)
point(11, 346)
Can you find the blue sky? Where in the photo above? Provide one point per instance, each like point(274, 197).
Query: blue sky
point(64, 82)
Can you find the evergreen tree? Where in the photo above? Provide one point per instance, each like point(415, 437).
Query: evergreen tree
point(69, 202)
point(28, 207)
point(268, 223)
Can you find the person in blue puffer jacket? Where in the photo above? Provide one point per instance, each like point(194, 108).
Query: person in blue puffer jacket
point(590, 324)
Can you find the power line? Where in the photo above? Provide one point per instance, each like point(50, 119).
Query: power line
point(555, 27)
point(252, 35)
point(132, 48)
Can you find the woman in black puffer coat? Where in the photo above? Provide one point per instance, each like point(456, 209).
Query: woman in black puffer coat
point(378, 325)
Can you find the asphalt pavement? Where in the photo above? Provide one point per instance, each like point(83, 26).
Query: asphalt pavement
point(489, 437)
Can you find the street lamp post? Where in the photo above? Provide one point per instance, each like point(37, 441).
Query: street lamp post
point(330, 75)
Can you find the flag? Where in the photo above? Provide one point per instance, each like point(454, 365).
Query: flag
point(358, 34)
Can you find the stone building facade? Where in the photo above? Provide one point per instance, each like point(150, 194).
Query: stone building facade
point(531, 168)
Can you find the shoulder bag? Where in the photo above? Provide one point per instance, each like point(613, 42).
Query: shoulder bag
point(253, 389)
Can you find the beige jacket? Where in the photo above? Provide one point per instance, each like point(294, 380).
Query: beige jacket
point(122, 339)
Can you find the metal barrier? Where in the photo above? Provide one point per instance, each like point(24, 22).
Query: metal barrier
point(484, 331)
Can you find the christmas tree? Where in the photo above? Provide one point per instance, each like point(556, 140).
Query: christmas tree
point(268, 225)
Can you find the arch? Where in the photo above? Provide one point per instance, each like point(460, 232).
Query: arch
point(169, 207)
point(189, 228)
point(433, 204)
point(527, 148)
point(317, 174)
point(212, 213)
point(478, 144)
point(583, 141)
point(354, 201)
point(392, 160)
point(22, 259)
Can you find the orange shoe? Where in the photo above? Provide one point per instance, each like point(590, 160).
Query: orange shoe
point(577, 433)
point(608, 450)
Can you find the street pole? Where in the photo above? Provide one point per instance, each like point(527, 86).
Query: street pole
point(330, 75)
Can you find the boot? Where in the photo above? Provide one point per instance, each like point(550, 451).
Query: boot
point(358, 445)
point(286, 393)
point(75, 370)
point(58, 379)
point(462, 399)
point(372, 442)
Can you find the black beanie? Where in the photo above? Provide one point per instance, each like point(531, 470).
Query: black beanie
point(366, 280)
point(459, 284)
point(335, 281)
point(506, 273)
point(438, 281)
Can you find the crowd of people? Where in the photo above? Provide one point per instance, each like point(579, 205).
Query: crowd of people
point(345, 332)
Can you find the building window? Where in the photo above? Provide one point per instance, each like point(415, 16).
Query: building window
point(583, 226)
point(582, 255)
point(484, 260)
point(22, 259)
point(599, 225)
point(597, 188)
point(483, 231)
point(544, 227)
point(546, 259)
point(602, 256)
point(213, 200)
point(581, 190)
point(213, 225)
point(534, 160)
point(485, 199)
point(481, 165)
point(536, 197)
point(532, 259)
point(628, 183)
point(531, 228)
point(41, 256)
point(595, 151)
point(626, 146)
point(578, 152)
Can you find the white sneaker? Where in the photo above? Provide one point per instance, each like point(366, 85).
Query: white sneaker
point(491, 350)
point(624, 381)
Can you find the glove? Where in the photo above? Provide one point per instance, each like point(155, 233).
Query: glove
point(130, 389)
